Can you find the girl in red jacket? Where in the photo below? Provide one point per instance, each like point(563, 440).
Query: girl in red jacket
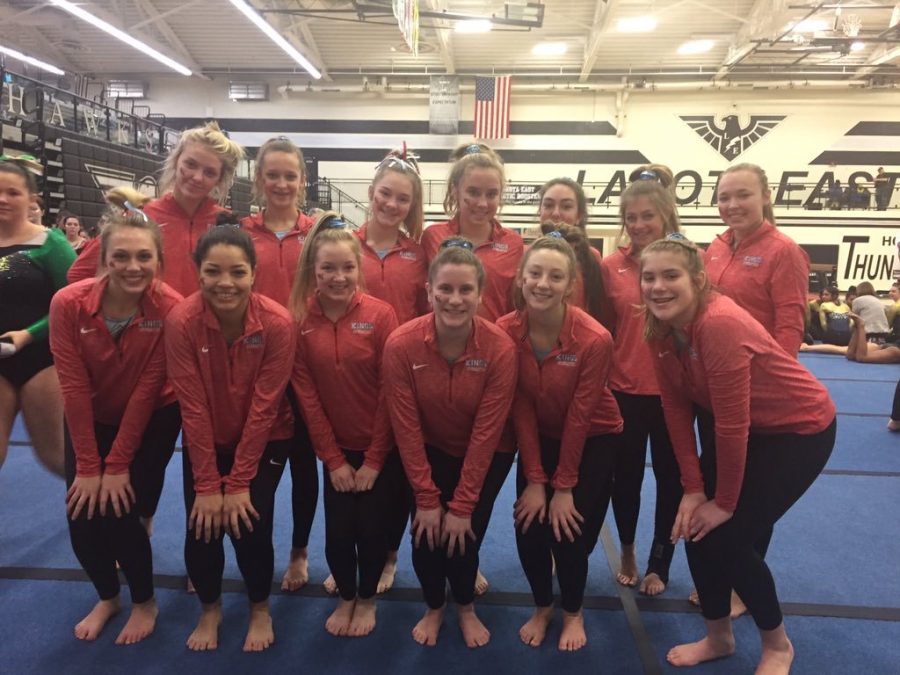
point(474, 193)
point(122, 420)
point(195, 181)
point(227, 350)
point(278, 231)
point(451, 378)
point(567, 427)
point(648, 213)
point(337, 379)
point(772, 431)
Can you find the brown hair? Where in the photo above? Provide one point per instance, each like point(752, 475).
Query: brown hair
point(212, 138)
point(457, 255)
point(465, 158)
point(693, 264)
point(18, 168)
point(125, 204)
point(865, 288)
point(659, 189)
point(587, 263)
point(578, 191)
point(545, 243)
point(322, 232)
point(404, 163)
point(279, 144)
point(755, 169)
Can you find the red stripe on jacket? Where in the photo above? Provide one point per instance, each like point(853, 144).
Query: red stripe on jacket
point(113, 382)
point(460, 408)
point(565, 396)
point(276, 259)
point(338, 380)
point(232, 397)
point(500, 256)
point(399, 279)
point(732, 367)
point(768, 275)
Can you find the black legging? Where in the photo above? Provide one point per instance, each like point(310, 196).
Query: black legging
point(895, 412)
point(643, 416)
point(101, 541)
point(778, 470)
point(356, 532)
point(435, 568)
point(206, 561)
point(538, 547)
point(400, 500)
point(304, 479)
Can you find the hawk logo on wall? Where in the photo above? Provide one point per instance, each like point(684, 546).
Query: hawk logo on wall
point(106, 178)
point(731, 139)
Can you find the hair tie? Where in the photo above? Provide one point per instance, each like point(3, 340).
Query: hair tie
point(473, 149)
point(556, 234)
point(457, 242)
point(647, 174)
point(131, 208)
point(335, 223)
point(28, 162)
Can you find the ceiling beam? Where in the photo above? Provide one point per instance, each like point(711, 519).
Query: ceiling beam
point(445, 46)
point(595, 37)
point(760, 17)
point(305, 43)
point(162, 15)
point(147, 8)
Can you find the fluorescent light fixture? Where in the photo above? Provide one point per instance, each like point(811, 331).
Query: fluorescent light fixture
point(857, 46)
point(19, 56)
point(696, 47)
point(473, 26)
point(811, 26)
point(275, 36)
point(636, 24)
point(130, 40)
point(549, 49)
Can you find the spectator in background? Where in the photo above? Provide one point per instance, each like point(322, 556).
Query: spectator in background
point(893, 311)
point(36, 210)
point(833, 318)
point(882, 190)
point(835, 199)
point(70, 225)
point(872, 311)
point(850, 295)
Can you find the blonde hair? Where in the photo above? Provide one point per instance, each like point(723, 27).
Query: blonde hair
point(693, 263)
point(659, 189)
point(279, 144)
point(401, 161)
point(465, 158)
point(211, 137)
point(305, 279)
point(545, 243)
point(125, 210)
point(756, 170)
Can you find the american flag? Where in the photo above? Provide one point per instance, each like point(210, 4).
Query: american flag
point(492, 107)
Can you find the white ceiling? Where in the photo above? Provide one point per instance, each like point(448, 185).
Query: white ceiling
point(212, 38)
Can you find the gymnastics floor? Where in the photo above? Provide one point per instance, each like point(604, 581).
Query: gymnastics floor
point(834, 558)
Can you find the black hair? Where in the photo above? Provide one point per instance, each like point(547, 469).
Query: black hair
point(225, 235)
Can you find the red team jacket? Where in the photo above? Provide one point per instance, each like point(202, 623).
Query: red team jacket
point(180, 233)
point(564, 397)
point(338, 380)
point(399, 279)
point(276, 259)
point(113, 382)
point(460, 408)
point(735, 369)
point(232, 397)
point(768, 275)
point(500, 257)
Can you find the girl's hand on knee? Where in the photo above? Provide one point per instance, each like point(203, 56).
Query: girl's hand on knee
point(365, 478)
point(706, 518)
point(84, 493)
point(238, 508)
point(530, 505)
point(455, 531)
point(343, 478)
point(115, 489)
point(689, 503)
point(564, 517)
point(427, 523)
point(206, 516)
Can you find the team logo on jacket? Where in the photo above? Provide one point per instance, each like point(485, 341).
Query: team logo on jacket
point(476, 364)
point(150, 325)
point(752, 260)
point(253, 340)
point(409, 255)
point(499, 246)
point(568, 360)
point(731, 139)
point(362, 327)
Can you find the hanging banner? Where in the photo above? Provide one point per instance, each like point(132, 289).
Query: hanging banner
point(407, 14)
point(443, 109)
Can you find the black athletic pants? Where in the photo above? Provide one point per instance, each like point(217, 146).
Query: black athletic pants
point(895, 411)
point(304, 478)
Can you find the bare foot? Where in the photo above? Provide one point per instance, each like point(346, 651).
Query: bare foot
point(652, 584)
point(260, 635)
point(573, 636)
point(91, 625)
point(206, 634)
point(296, 576)
point(386, 582)
point(534, 630)
point(330, 585)
point(363, 621)
point(692, 653)
point(628, 573)
point(474, 632)
point(481, 584)
point(893, 425)
point(140, 623)
point(426, 631)
point(737, 606)
point(694, 598)
point(775, 661)
point(339, 621)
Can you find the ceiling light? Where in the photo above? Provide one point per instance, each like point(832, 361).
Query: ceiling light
point(19, 56)
point(696, 47)
point(121, 35)
point(857, 46)
point(636, 24)
point(549, 49)
point(810, 26)
point(275, 36)
point(473, 26)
